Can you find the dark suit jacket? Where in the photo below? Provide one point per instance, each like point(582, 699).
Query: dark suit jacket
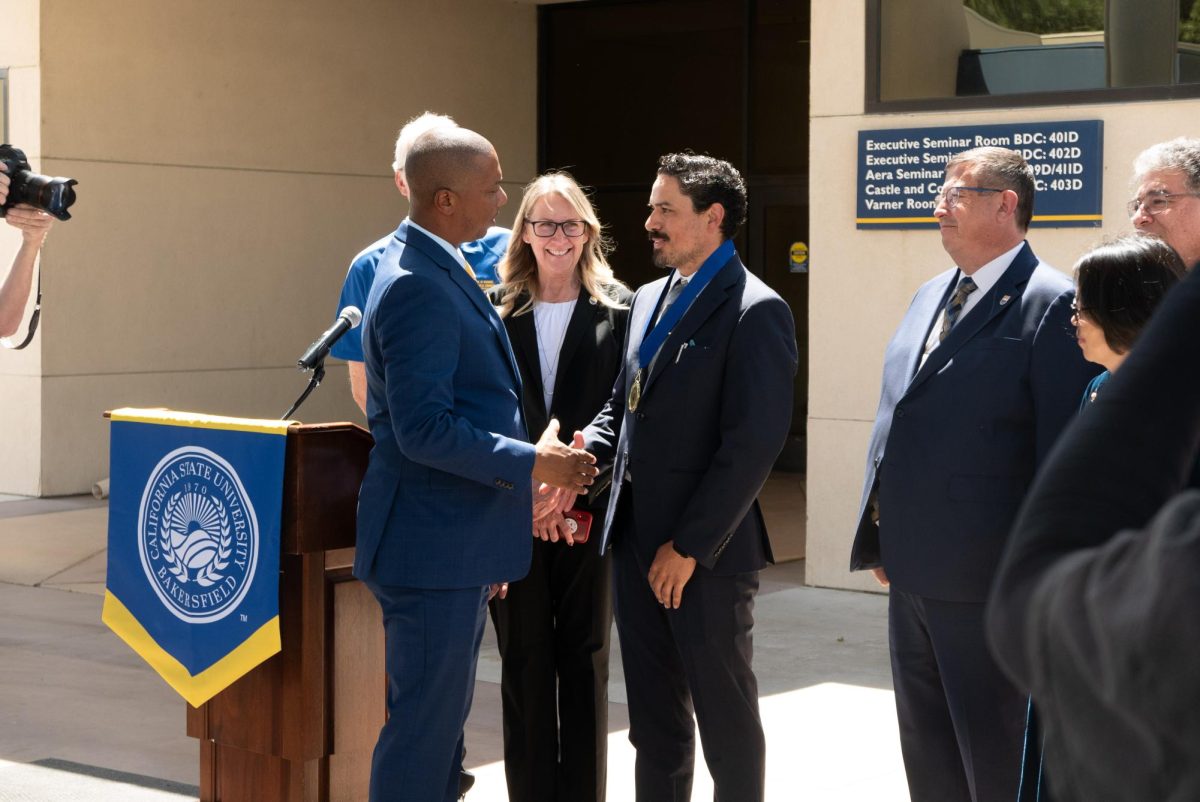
point(447, 498)
point(713, 417)
point(1094, 607)
point(955, 446)
point(591, 355)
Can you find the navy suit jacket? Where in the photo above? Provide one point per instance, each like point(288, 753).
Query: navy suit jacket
point(446, 501)
point(956, 443)
point(714, 414)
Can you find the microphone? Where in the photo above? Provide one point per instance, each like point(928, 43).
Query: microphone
point(347, 319)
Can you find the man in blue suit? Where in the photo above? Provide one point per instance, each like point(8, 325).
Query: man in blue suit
point(445, 509)
point(698, 415)
point(978, 381)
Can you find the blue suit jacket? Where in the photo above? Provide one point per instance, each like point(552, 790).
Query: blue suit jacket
point(446, 500)
point(956, 444)
point(713, 416)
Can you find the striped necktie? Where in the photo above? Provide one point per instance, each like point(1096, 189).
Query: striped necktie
point(954, 306)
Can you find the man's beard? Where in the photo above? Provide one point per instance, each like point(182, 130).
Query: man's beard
point(664, 261)
point(658, 255)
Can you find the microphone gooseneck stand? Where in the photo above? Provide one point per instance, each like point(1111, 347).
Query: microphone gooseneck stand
point(318, 375)
point(313, 357)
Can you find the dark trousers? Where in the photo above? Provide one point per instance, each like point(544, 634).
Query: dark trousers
point(962, 723)
point(432, 646)
point(697, 658)
point(553, 635)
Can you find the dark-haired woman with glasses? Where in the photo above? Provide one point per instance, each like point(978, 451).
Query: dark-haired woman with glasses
point(565, 314)
point(1118, 285)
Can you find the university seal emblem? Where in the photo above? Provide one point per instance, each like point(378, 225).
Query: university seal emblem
point(197, 535)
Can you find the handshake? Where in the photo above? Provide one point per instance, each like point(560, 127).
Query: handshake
point(561, 466)
point(560, 473)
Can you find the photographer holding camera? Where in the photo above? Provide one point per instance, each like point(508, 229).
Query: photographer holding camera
point(14, 293)
point(28, 201)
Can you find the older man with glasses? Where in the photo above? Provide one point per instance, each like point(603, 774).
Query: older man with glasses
point(978, 381)
point(1167, 200)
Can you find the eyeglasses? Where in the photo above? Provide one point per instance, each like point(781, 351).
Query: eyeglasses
point(1157, 201)
point(1084, 312)
point(951, 196)
point(546, 228)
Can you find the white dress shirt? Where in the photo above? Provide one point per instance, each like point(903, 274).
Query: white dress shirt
point(454, 252)
point(985, 278)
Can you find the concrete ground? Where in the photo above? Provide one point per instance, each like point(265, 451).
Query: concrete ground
point(83, 718)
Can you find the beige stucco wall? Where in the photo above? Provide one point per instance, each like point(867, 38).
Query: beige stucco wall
point(232, 159)
point(20, 385)
point(880, 270)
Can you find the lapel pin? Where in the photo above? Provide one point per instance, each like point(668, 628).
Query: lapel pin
point(1005, 299)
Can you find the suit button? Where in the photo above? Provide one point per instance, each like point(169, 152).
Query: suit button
point(640, 415)
point(499, 483)
point(899, 412)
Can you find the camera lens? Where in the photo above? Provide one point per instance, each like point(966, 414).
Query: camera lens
point(54, 195)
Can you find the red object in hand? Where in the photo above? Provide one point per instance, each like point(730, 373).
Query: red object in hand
point(580, 524)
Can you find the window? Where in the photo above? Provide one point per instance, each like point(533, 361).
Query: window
point(928, 54)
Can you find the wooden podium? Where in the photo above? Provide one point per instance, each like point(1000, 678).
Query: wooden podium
point(301, 726)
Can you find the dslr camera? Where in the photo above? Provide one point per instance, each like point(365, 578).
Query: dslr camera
point(52, 195)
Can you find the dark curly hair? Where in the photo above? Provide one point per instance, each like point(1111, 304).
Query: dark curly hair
point(706, 181)
point(1121, 281)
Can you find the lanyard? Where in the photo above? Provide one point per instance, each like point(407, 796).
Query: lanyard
point(652, 339)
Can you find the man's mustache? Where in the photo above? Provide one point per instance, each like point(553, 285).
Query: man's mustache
point(653, 235)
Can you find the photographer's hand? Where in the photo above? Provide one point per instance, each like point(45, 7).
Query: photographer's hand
point(34, 223)
point(4, 182)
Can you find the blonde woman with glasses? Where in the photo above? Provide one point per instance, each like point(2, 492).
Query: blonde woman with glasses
point(566, 315)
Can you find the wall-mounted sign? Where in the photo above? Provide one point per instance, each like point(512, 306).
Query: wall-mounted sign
point(900, 170)
point(798, 257)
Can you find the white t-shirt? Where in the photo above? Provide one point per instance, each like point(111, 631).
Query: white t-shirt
point(550, 321)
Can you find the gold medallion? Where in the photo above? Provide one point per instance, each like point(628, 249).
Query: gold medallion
point(635, 392)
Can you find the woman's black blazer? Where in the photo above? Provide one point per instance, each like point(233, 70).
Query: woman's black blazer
point(591, 355)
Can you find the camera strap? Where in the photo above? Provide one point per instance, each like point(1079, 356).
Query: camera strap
point(33, 319)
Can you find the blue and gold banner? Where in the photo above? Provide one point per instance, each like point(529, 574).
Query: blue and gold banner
point(194, 517)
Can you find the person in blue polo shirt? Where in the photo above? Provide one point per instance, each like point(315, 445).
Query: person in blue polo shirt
point(482, 255)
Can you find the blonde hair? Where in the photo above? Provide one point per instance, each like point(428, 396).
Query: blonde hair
point(518, 269)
